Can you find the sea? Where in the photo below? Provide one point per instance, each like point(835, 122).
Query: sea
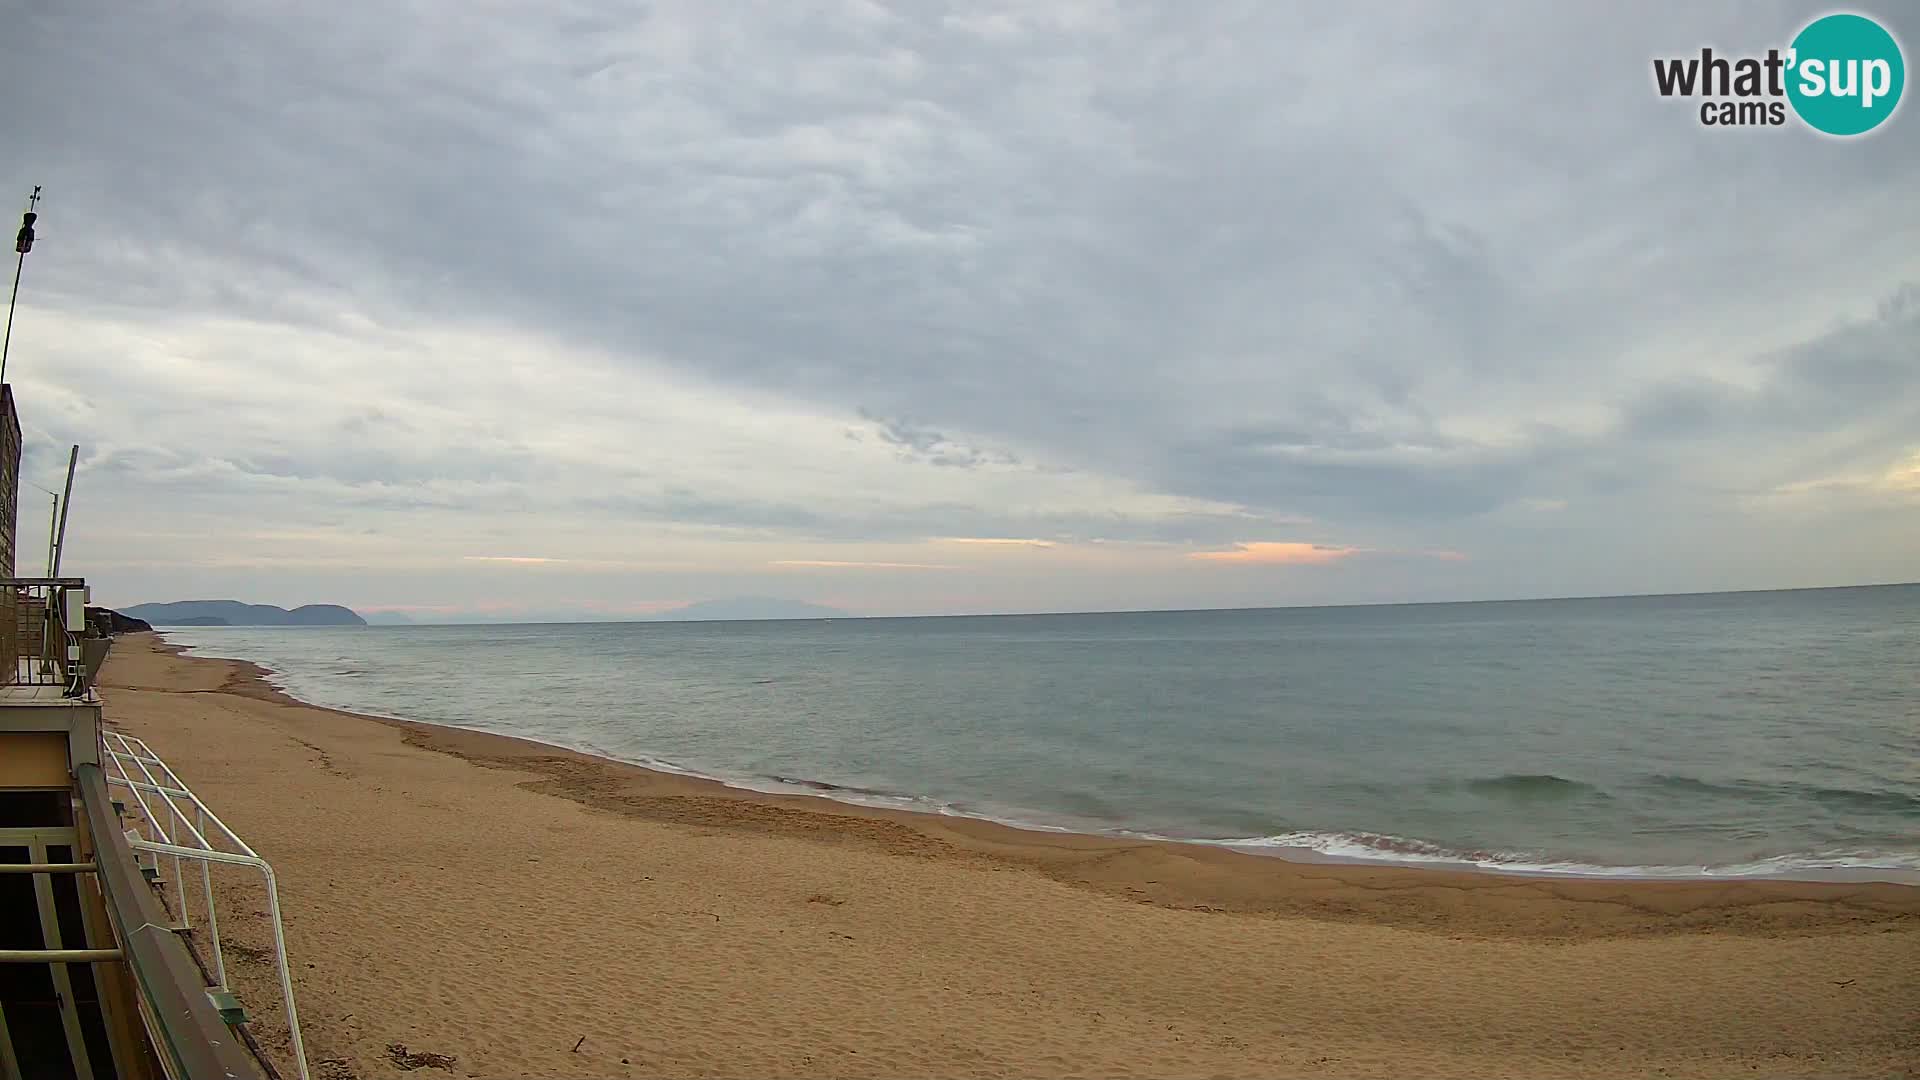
point(1771, 734)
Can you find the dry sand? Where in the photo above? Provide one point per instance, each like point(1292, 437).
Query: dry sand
point(498, 902)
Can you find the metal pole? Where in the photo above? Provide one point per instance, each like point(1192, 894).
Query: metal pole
point(7, 342)
point(286, 977)
point(46, 609)
point(58, 956)
point(18, 265)
point(66, 503)
point(180, 874)
point(213, 920)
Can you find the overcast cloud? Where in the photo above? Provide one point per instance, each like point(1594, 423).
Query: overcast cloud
point(603, 307)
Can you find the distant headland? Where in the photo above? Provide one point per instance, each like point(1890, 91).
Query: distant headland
point(235, 613)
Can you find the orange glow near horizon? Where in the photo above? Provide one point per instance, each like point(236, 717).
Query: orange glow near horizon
point(517, 560)
point(837, 564)
point(1278, 553)
point(996, 541)
point(1905, 475)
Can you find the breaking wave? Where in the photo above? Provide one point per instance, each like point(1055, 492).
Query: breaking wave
point(1524, 793)
point(1373, 847)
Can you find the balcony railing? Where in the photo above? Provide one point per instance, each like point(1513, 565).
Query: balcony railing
point(44, 635)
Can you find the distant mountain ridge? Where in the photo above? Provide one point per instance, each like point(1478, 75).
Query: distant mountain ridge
point(747, 608)
point(235, 613)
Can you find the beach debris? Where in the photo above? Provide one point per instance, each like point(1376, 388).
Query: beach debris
point(409, 1060)
point(576, 1046)
point(716, 918)
point(252, 954)
point(1849, 982)
point(825, 898)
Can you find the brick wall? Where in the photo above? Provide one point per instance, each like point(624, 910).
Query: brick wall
point(9, 521)
point(9, 479)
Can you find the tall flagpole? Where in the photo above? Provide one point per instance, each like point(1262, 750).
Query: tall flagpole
point(22, 243)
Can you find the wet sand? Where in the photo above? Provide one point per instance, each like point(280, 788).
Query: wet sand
point(498, 902)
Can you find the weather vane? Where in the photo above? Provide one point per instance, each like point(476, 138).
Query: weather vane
point(22, 243)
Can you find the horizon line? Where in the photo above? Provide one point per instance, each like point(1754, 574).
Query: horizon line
point(1113, 611)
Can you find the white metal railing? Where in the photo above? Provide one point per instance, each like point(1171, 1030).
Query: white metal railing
point(181, 840)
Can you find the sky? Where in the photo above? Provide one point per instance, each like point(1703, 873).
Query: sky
point(593, 309)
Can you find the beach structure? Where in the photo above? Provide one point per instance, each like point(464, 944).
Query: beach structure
point(99, 976)
point(105, 974)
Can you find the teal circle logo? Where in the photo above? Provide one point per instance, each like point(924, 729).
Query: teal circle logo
point(1846, 74)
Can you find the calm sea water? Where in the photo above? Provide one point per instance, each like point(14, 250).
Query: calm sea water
point(1756, 733)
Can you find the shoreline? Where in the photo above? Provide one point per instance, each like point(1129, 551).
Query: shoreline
point(526, 911)
point(272, 682)
point(1238, 881)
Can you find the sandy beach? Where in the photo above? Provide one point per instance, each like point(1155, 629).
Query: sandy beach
point(525, 911)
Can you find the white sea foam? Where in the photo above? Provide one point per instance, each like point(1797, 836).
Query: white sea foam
point(1356, 847)
point(1372, 847)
